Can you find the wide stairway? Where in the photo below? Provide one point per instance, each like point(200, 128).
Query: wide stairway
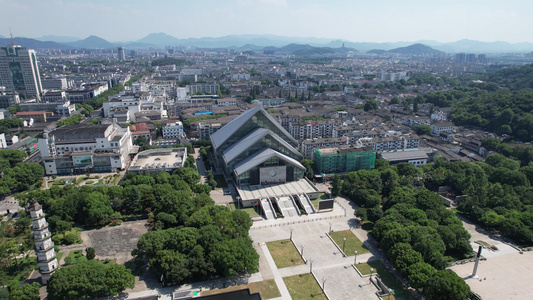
point(268, 210)
point(287, 207)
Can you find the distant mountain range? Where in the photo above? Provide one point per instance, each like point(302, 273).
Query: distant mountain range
point(270, 42)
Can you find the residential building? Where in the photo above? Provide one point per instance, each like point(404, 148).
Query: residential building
point(308, 146)
point(173, 130)
point(19, 71)
point(8, 99)
point(81, 149)
point(343, 159)
point(206, 88)
point(440, 127)
point(227, 102)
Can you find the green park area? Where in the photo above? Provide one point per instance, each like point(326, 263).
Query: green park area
point(284, 254)
point(75, 257)
point(352, 242)
point(387, 277)
point(267, 288)
point(303, 287)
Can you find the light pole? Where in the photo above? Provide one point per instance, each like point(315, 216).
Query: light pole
point(330, 223)
point(371, 272)
point(324, 284)
point(291, 232)
point(238, 201)
point(311, 265)
point(302, 250)
point(343, 245)
point(355, 258)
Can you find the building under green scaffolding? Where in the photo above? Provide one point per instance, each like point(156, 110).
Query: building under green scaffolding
point(343, 159)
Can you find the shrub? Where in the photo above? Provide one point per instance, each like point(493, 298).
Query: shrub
point(70, 239)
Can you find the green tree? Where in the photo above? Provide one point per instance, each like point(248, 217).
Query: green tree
point(309, 165)
point(371, 104)
point(446, 285)
point(336, 185)
point(24, 292)
point(90, 253)
point(90, 279)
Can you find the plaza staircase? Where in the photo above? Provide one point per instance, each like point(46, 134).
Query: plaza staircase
point(288, 208)
point(268, 209)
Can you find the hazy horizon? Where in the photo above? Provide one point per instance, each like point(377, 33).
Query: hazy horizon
point(349, 20)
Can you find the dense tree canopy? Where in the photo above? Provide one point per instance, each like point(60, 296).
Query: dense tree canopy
point(411, 225)
point(90, 279)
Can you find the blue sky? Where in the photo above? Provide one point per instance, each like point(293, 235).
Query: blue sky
point(352, 20)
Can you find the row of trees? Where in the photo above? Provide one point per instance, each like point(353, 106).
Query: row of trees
point(412, 226)
point(138, 194)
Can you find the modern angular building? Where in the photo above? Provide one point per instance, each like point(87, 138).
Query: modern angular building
point(19, 71)
point(343, 159)
point(254, 149)
point(81, 149)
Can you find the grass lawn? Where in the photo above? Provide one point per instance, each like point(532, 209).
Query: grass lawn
point(221, 181)
point(284, 254)
point(304, 287)
point(59, 255)
point(388, 279)
point(267, 288)
point(249, 210)
point(322, 196)
point(352, 242)
point(75, 257)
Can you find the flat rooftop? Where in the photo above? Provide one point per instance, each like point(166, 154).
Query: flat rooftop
point(254, 192)
point(159, 159)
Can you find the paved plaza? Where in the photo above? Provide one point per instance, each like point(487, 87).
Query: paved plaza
point(342, 281)
point(505, 274)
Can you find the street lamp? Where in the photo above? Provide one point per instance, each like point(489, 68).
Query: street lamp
point(371, 272)
point(291, 232)
point(324, 284)
point(343, 245)
point(238, 201)
point(355, 258)
point(311, 265)
point(302, 250)
point(330, 223)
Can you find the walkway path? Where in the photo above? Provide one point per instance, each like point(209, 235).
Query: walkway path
point(277, 277)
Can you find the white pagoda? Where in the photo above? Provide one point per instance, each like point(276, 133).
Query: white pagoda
point(44, 247)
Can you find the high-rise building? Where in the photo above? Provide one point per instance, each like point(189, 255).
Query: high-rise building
point(19, 71)
point(121, 54)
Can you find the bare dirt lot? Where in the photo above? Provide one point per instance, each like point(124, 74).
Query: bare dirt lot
point(115, 242)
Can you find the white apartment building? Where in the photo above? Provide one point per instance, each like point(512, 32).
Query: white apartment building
point(173, 130)
point(308, 146)
point(438, 128)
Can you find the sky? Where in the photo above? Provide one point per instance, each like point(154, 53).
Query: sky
point(350, 20)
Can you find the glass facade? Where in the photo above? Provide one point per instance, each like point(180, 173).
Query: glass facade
point(266, 142)
point(259, 120)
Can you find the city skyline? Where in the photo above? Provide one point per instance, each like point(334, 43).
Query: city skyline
point(378, 21)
